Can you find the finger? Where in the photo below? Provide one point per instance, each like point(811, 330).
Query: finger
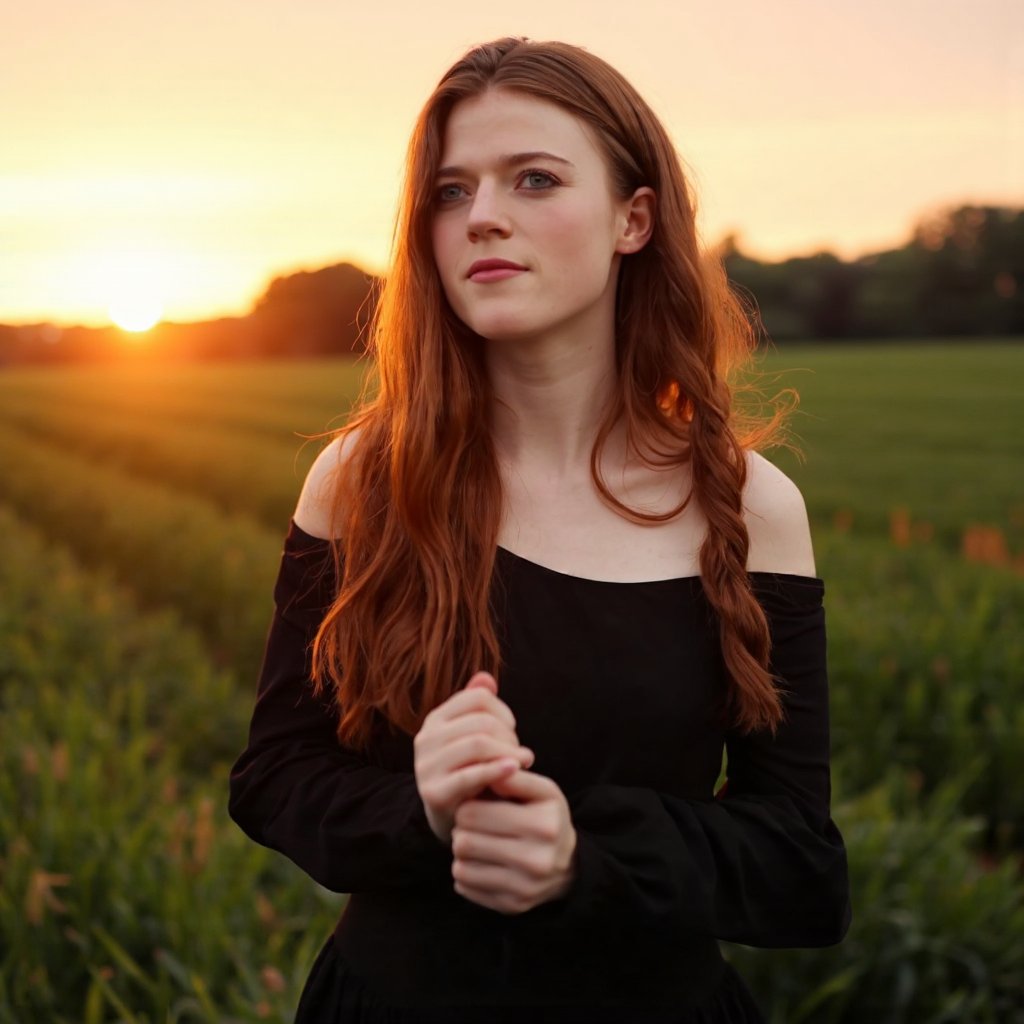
point(476, 748)
point(483, 680)
point(455, 788)
point(501, 817)
point(527, 786)
point(491, 878)
point(488, 848)
point(473, 723)
point(479, 698)
point(481, 848)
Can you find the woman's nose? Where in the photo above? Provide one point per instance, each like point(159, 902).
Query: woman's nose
point(488, 214)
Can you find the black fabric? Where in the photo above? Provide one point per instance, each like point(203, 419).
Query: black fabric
point(334, 994)
point(613, 686)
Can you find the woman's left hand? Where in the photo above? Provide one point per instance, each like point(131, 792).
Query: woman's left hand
point(518, 851)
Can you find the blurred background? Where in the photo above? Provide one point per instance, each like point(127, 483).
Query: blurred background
point(168, 162)
point(196, 203)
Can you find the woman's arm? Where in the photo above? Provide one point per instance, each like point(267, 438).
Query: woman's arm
point(350, 825)
point(763, 864)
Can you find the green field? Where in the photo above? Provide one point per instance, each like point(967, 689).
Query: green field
point(935, 429)
point(140, 527)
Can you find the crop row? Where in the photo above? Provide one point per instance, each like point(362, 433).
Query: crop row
point(276, 398)
point(171, 548)
point(126, 894)
point(253, 472)
point(929, 432)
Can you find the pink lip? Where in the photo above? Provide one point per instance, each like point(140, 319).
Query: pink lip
point(493, 270)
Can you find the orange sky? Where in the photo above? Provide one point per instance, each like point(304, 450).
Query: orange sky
point(182, 154)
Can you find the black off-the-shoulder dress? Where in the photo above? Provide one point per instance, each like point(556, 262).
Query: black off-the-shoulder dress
point(613, 687)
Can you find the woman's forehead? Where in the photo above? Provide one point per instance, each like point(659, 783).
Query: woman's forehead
point(499, 124)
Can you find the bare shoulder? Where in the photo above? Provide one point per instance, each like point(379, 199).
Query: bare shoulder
point(776, 518)
point(315, 509)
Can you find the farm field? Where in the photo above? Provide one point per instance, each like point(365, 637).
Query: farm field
point(927, 429)
point(141, 521)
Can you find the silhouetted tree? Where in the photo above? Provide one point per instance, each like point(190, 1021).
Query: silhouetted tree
point(974, 271)
point(314, 312)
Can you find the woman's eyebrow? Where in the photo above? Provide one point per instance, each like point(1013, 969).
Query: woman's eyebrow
point(509, 160)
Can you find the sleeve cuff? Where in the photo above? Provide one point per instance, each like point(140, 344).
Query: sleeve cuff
point(421, 843)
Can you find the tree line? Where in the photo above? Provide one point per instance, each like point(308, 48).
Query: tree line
point(960, 274)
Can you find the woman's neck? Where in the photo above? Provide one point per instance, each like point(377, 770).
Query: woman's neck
point(551, 397)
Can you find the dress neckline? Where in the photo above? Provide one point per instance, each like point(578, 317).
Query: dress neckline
point(547, 569)
point(512, 557)
point(686, 580)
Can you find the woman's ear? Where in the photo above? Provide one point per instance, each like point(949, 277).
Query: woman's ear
point(636, 221)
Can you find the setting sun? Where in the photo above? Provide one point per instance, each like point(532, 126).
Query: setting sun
point(135, 313)
point(130, 278)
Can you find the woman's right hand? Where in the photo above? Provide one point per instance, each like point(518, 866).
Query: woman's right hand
point(463, 746)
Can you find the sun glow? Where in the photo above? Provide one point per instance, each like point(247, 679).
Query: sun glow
point(133, 280)
point(135, 313)
point(128, 281)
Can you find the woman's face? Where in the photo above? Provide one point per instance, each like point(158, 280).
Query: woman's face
point(526, 227)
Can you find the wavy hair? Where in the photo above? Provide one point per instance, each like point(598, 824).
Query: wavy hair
point(417, 509)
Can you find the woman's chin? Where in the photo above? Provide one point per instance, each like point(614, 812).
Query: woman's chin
point(508, 330)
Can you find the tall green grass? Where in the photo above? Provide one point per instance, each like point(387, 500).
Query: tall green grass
point(926, 658)
point(126, 894)
point(937, 934)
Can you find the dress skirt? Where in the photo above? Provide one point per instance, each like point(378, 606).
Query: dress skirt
point(334, 995)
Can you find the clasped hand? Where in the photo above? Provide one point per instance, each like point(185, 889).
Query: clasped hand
point(509, 828)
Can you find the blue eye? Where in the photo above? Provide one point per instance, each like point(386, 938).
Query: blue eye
point(537, 180)
point(449, 193)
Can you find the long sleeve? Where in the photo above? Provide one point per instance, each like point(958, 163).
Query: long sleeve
point(352, 826)
point(763, 863)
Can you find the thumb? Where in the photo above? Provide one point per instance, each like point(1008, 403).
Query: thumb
point(483, 680)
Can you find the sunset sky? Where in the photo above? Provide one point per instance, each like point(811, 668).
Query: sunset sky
point(178, 156)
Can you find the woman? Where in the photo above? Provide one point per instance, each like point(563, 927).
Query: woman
point(543, 580)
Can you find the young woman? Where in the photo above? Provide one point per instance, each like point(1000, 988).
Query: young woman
point(535, 587)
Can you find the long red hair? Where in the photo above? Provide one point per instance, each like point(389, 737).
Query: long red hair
point(418, 506)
